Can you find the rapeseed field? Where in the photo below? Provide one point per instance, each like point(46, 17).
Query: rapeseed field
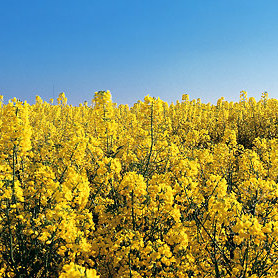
point(153, 190)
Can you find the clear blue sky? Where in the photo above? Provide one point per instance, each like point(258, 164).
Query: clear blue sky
point(208, 48)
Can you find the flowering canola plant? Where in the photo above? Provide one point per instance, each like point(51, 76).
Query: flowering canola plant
point(153, 190)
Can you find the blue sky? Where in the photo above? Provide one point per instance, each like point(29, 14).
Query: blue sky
point(208, 49)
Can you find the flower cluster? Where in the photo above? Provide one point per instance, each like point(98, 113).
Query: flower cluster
point(153, 190)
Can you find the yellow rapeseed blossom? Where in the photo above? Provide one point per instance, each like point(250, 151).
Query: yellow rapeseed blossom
point(153, 190)
point(75, 271)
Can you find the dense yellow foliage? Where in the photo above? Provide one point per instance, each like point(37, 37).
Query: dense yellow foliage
point(154, 190)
